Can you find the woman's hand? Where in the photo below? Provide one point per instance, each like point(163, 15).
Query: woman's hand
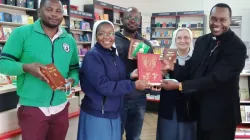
point(134, 74)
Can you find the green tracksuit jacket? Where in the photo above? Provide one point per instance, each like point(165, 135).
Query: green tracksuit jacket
point(29, 44)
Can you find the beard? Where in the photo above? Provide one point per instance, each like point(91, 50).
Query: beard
point(47, 24)
point(130, 30)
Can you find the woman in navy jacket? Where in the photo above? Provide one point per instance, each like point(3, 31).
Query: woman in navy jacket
point(103, 80)
point(177, 116)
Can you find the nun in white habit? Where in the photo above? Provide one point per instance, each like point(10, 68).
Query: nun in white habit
point(177, 114)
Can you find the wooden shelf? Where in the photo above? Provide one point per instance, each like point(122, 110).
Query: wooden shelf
point(16, 7)
point(162, 37)
point(80, 30)
point(83, 43)
point(11, 23)
point(117, 24)
point(163, 27)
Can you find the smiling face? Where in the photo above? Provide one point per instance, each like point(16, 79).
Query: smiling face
point(219, 21)
point(131, 20)
point(105, 35)
point(183, 39)
point(51, 13)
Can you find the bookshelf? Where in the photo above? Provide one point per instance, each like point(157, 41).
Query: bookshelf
point(163, 25)
point(194, 20)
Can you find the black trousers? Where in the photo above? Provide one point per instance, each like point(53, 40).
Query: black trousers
point(220, 134)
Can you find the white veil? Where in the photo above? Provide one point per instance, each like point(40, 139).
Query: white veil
point(94, 32)
point(173, 44)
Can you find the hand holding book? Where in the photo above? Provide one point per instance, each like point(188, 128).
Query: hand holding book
point(35, 70)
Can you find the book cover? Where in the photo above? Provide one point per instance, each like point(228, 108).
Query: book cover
point(7, 32)
point(30, 4)
point(55, 78)
point(30, 20)
point(105, 16)
point(14, 18)
point(97, 17)
point(4, 79)
point(1, 33)
point(24, 19)
point(11, 2)
point(133, 44)
point(21, 3)
point(65, 10)
point(170, 54)
point(149, 68)
point(7, 17)
point(77, 24)
point(141, 48)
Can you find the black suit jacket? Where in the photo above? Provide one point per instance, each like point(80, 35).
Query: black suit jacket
point(214, 79)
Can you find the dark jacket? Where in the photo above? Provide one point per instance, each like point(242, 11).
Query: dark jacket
point(184, 104)
point(122, 45)
point(214, 79)
point(103, 80)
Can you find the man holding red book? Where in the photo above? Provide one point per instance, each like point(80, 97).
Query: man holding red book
point(42, 112)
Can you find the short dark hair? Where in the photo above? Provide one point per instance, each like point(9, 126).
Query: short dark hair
point(42, 2)
point(130, 10)
point(222, 5)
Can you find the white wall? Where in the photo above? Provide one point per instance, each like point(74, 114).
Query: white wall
point(147, 7)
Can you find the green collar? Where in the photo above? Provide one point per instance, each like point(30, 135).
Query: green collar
point(38, 28)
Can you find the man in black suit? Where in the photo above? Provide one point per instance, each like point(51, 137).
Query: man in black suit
point(213, 77)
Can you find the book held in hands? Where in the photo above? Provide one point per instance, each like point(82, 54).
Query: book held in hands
point(170, 55)
point(56, 80)
point(149, 68)
point(135, 47)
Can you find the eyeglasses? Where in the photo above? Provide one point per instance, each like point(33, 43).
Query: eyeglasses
point(214, 20)
point(179, 38)
point(135, 19)
point(103, 34)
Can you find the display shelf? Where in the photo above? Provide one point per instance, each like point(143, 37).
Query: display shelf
point(16, 7)
point(11, 23)
point(80, 30)
point(83, 43)
point(7, 88)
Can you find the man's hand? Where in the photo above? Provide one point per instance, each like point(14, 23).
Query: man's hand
point(35, 70)
point(170, 85)
point(167, 65)
point(134, 74)
point(142, 85)
point(67, 88)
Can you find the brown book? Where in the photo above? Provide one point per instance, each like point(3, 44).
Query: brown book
point(55, 78)
point(133, 44)
point(170, 54)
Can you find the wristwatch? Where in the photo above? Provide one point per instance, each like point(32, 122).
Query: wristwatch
point(180, 86)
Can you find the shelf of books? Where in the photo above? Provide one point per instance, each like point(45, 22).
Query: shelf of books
point(81, 24)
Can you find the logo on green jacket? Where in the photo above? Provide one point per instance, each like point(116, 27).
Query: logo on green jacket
point(66, 47)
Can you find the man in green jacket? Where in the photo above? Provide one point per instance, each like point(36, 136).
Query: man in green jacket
point(42, 112)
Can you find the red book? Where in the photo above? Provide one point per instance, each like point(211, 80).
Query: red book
point(149, 68)
point(55, 78)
